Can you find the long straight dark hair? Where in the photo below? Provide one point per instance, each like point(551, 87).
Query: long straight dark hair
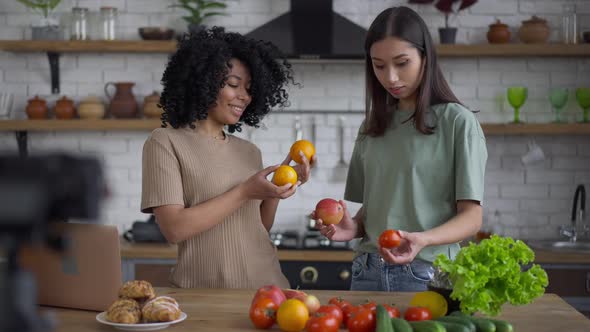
point(403, 23)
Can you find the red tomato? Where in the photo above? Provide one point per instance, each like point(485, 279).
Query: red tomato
point(321, 322)
point(417, 313)
point(263, 313)
point(370, 305)
point(347, 311)
point(363, 320)
point(392, 311)
point(389, 239)
point(342, 304)
point(332, 310)
point(270, 291)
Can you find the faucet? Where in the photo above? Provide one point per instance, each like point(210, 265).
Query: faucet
point(577, 216)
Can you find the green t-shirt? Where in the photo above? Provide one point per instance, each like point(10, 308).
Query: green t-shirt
point(410, 181)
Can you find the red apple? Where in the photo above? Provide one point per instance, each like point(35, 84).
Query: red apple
point(312, 303)
point(272, 292)
point(329, 210)
point(295, 294)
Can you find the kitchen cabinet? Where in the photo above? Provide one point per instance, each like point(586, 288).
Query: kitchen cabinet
point(572, 283)
point(227, 310)
point(306, 269)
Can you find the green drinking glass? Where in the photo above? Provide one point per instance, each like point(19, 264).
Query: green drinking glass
point(558, 99)
point(516, 97)
point(583, 98)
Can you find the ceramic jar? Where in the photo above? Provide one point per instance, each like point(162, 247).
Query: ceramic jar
point(536, 30)
point(498, 33)
point(64, 109)
point(37, 108)
point(123, 103)
point(150, 106)
point(91, 108)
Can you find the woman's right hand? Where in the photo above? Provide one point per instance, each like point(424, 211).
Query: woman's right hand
point(345, 230)
point(259, 187)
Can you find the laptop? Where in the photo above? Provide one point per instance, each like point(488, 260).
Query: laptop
point(87, 275)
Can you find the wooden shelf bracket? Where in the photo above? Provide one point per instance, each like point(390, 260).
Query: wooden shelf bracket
point(54, 71)
point(21, 141)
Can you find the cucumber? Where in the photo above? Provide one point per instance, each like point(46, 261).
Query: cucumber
point(400, 325)
point(481, 324)
point(427, 326)
point(459, 320)
point(383, 320)
point(454, 327)
point(502, 325)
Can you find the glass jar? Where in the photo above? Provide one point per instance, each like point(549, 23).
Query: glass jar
point(79, 26)
point(108, 23)
point(569, 26)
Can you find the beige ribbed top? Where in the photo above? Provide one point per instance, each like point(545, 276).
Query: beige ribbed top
point(183, 166)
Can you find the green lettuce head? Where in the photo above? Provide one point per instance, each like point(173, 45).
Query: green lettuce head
point(493, 272)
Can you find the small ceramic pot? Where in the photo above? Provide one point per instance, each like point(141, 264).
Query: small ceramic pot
point(64, 109)
point(37, 108)
point(150, 106)
point(534, 31)
point(91, 108)
point(498, 33)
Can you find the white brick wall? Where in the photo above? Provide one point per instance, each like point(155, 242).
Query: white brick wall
point(526, 202)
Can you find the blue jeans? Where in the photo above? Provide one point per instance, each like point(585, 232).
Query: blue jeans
point(371, 273)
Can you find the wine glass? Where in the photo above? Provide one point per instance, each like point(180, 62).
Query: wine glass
point(558, 99)
point(516, 97)
point(583, 97)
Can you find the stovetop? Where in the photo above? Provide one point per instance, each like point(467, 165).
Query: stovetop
point(309, 240)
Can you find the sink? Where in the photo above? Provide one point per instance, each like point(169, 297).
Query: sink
point(578, 246)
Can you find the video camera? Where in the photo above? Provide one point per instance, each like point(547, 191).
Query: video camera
point(35, 192)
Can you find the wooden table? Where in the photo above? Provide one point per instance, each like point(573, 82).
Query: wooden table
point(227, 310)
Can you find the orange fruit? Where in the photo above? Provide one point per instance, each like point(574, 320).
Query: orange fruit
point(304, 146)
point(292, 315)
point(283, 175)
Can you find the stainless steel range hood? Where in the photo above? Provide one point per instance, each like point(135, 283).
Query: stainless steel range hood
point(311, 30)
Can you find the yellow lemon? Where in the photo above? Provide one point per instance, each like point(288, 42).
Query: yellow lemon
point(435, 302)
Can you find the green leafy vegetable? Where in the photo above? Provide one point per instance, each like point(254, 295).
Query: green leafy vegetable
point(493, 272)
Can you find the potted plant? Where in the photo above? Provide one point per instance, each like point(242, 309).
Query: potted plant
point(47, 28)
point(448, 7)
point(199, 10)
point(486, 275)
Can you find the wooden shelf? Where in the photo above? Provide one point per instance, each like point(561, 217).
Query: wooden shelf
point(79, 125)
point(150, 124)
point(91, 46)
point(513, 50)
point(169, 46)
point(537, 129)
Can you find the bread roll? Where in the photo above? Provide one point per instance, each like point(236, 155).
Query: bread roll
point(124, 311)
point(160, 309)
point(139, 290)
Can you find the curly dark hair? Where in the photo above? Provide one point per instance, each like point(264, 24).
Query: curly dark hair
point(199, 68)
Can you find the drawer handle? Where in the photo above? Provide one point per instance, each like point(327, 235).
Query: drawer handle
point(309, 274)
point(588, 282)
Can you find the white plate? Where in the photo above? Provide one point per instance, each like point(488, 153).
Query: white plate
point(102, 318)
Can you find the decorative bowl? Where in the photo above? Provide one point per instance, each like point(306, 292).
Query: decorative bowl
point(156, 33)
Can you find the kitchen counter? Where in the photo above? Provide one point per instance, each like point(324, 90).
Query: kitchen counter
point(227, 310)
point(167, 251)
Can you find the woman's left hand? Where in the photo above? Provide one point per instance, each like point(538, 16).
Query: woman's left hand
point(303, 170)
point(410, 246)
